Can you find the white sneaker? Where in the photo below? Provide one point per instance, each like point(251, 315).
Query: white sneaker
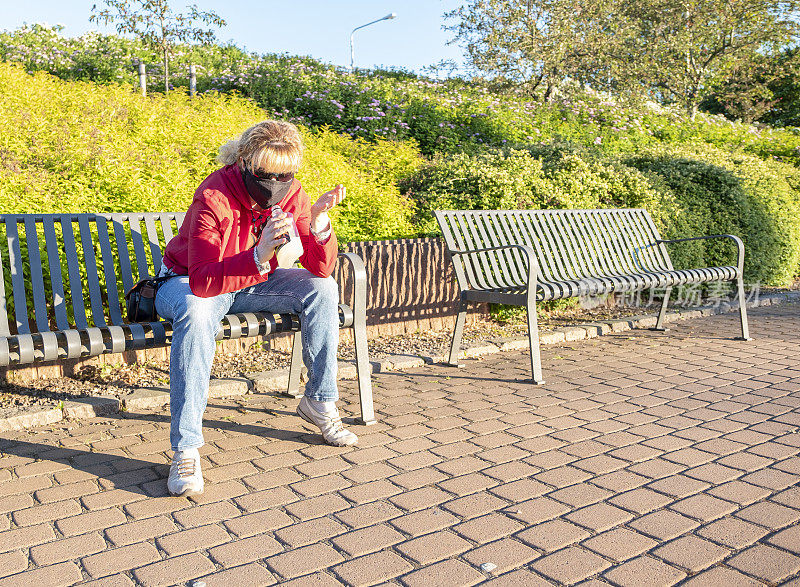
point(333, 431)
point(185, 477)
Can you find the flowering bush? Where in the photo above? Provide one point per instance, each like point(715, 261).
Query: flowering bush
point(108, 149)
point(442, 116)
point(77, 146)
point(90, 57)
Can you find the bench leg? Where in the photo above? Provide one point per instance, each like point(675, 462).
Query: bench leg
point(296, 366)
point(533, 335)
point(743, 311)
point(663, 311)
point(363, 369)
point(458, 333)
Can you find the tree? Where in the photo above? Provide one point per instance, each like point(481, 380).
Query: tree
point(786, 91)
point(530, 44)
point(681, 49)
point(755, 88)
point(156, 25)
point(675, 50)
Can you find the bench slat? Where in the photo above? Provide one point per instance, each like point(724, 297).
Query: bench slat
point(517, 232)
point(507, 262)
point(483, 265)
point(37, 277)
point(507, 265)
point(661, 249)
point(461, 244)
point(603, 256)
point(166, 227)
point(535, 236)
point(4, 329)
point(56, 280)
point(652, 259)
point(17, 276)
point(109, 271)
point(487, 264)
point(638, 235)
point(623, 231)
point(138, 246)
point(152, 237)
point(601, 242)
point(471, 261)
point(123, 252)
point(626, 231)
point(561, 250)
point(90, 266)
point(587, 242)
point(620, 241)
point(73, 269)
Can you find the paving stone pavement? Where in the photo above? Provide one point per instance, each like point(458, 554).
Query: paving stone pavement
point(647, 459)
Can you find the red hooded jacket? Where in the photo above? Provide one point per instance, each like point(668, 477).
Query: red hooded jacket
point(214, 245)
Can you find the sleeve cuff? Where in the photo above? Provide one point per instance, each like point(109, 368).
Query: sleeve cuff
point(324, 234)
point(263, 268)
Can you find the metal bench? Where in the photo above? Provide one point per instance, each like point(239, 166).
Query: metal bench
point(62, 283)
point(519, 257)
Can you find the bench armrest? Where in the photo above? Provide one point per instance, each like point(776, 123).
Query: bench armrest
point(359, 272)
point(530, 255)
point(734, 238)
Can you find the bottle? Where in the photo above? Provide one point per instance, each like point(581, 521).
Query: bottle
point(289, 252)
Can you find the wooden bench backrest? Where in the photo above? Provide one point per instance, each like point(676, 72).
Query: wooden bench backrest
point(67, 271)
point(569, 244)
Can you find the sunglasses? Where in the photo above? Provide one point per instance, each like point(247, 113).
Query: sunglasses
point(282, 177)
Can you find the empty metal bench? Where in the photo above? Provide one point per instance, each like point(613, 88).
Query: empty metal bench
point(519, 257)
point(62, 283)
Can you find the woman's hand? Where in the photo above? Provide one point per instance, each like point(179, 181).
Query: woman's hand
point(273, 235)
point(319, 210)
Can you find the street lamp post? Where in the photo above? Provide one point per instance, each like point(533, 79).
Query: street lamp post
point(387, 17)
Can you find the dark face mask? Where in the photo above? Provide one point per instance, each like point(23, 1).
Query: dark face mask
point(265, 192)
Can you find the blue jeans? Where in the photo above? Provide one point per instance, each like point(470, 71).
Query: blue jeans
point(196, 320)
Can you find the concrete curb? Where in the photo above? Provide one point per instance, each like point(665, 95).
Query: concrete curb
point(277, 380)
point(89, 407)
point(29, 419)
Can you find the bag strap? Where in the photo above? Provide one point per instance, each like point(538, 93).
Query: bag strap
point(155, 280)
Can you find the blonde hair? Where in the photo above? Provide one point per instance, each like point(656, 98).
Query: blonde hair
point(272, 146)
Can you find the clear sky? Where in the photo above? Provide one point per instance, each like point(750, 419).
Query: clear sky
point(318, 28)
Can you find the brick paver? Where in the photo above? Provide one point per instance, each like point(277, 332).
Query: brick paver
point(647, 459)
point(570, 565)
point(620, 544)
point(691, 553)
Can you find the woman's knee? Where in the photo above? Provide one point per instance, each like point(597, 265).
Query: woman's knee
point(195, 311)
point(325, 290)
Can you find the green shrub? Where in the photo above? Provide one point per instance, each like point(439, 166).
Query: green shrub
point(688, 190)
point(373, 208)
point(719, 192)
point(77, 146)
point(543, 177)
point(106, 148)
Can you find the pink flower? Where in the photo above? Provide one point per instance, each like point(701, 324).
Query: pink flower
point(598, 140)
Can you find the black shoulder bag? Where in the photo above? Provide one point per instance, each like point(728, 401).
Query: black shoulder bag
point(140, 300)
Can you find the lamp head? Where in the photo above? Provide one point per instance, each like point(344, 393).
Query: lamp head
point(390, 16)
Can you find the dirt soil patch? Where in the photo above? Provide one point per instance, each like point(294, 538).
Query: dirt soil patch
point(120, 379)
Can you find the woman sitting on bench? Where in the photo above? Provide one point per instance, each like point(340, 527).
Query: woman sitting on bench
point(234, 253)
